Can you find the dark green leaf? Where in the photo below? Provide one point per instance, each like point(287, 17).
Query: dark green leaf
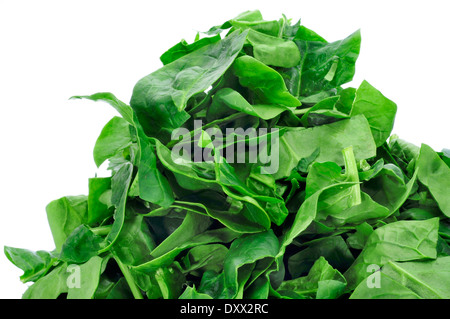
point(159, 100)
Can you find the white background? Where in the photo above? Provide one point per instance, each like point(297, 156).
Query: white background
point(51, 50)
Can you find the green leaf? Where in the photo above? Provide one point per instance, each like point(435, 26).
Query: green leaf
point(325, 110)
point(254, 20)
point(170, 282)
point(322, 175)
point(120, 290)
point(266, 83)
point(232, 99)
point(203, 258)
point(192, 293)
point(402, 149)
point(234, 213)
point(89, 273)
point(298, 143)
point(134, 243)
point(114, 137)
point(307, 213)
point(319, 58)
point(120, 185)
point(359, 239)
point(153, 186)
point(212, 284)
point(193, 224)
point(35, 264)
point(379, 111)
point(159, 101)
point(258, 289)
point(389, 189)
point(272, 50)
point(121, 107)
point(322, 282)
point(182, 48)
point(221, 235)
point(64, 215)
point(333, 249)
point(391, 289)
point(243, 252)
point(398, 241)
point(99, 199)
point(435, 174)
point(367, 210)
point(50, 286)
point(412, 280)
point(81, 245)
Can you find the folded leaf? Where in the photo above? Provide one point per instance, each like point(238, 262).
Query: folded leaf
point(34, 264)
point(265, 82)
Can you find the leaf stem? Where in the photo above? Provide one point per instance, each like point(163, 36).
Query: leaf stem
point(387, 150)
point(101, 230)
point(351, 172)
point(129, 278)
point(301, 111)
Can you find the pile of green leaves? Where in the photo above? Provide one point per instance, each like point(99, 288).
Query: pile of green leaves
point(351, 212)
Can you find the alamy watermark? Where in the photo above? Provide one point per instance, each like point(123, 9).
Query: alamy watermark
point(374, 279)
point(237, 145)
point(74, 279)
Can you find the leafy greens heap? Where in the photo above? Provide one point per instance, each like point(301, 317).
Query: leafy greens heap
point(351, 211)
